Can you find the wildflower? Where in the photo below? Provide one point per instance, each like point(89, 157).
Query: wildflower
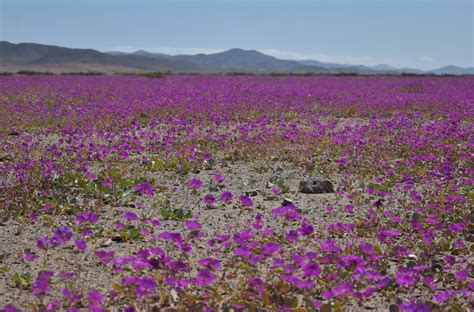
point(227, 197)
point(243, 252)
point(219, 178)
point(271, 248)
point(292, 236)
point(71, 296)
point(210, 263)
point(195, 183)
point(62, 235)
point(10, 308)
point(461, 275)
point(192, 225)
point(306, 228)
point(41, 284)
point(29, 256)
point(209, 200)
point(257, 284)
point(81, 244)
point(94, 296)
point(311, 269)
point(130, 216)
point(87, 217)
point(145, 286)
point(205, 277)
point(406, 277)
point(343, 289)
point(144, 188)
point(246, 201)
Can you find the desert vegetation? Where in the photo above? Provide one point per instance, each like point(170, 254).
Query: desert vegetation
point(191, 193)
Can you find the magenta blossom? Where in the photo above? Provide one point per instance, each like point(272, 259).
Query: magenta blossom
point(246, 201)
point(144, 188)
point(195, 183)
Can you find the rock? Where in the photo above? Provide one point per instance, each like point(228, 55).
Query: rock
point(251, 193)
point(415, 216)
point(315, 186)
point(270, 185)
point(117, 238)
point(286, 202)
point(106, 243)
point(411, 264)
point(213, 188)
point(14, 133)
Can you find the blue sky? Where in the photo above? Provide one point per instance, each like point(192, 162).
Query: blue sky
point(414, 33)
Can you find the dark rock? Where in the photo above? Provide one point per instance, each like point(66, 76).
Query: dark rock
point(286, 202)
point(251, 193)
point(316, 186)
point(14, 133)
point(117, 238)
point(415, 216)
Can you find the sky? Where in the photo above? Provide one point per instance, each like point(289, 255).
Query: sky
point(424, 34)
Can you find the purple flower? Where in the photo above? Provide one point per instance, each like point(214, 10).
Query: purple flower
point(145, 286)
point(192, 225)
point(210, 263)
point(461, 275)
point(195, 183)
point(41, 286)
point(442, 296)
point(306, 228)
point(243, 252)
point(256, 284)
point(144, 188)
point(292, 236)
point(95, 297)
point(227, 197)
point(62, 235)
point(246, 201)
point(209, 200)
point(271, 248)
point(205, 277)
point(87, 217)
point(406, 277)
point(10, 308)
point(219, 178)
point(343, 289)
point(29, 256)
point(71, 296)
point(130, 216)
point(311, 269)
point(81, 244)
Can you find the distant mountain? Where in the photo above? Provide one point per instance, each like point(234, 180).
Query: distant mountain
point(453, 70)
point(47, 57)
point(24, 55)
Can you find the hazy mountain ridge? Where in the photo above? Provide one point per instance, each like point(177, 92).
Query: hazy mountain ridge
point(31, 55)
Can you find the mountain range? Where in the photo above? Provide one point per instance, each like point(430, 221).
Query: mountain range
point(33, 56)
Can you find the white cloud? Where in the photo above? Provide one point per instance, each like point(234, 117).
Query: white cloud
point(326, 58)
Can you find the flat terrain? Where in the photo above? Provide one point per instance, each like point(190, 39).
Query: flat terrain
point(183, 193)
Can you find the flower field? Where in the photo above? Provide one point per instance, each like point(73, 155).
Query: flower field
point(184, 193)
